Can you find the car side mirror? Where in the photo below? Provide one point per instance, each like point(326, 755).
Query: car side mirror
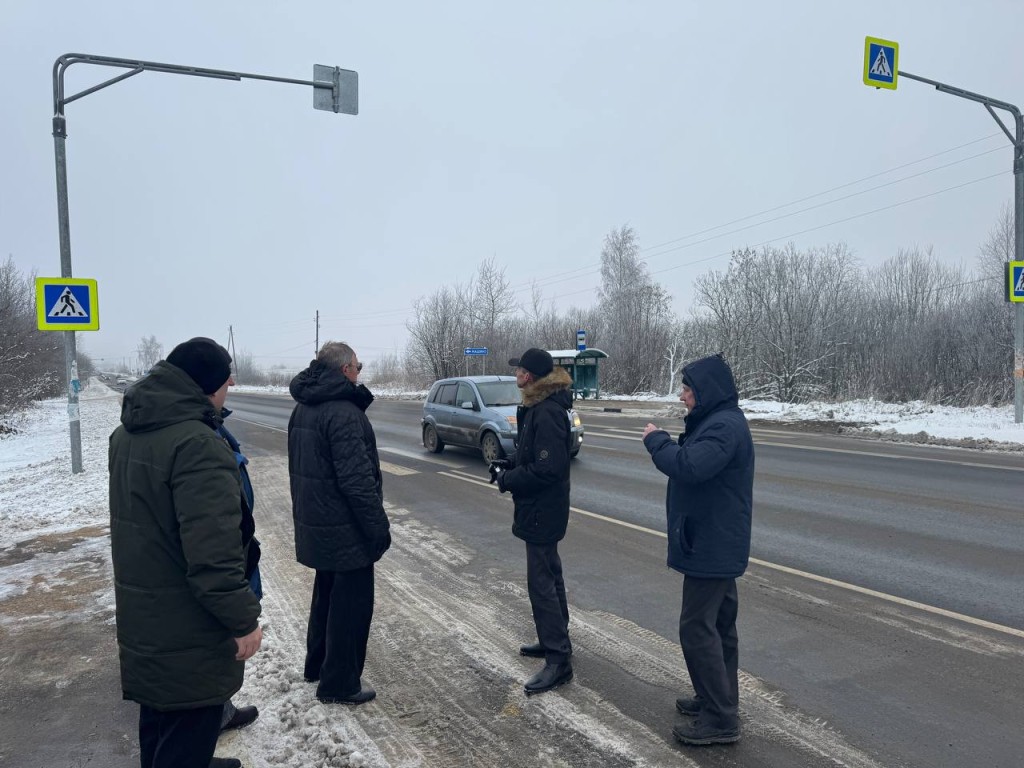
point(469, 405)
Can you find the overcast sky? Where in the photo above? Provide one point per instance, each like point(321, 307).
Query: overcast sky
point(520, 131)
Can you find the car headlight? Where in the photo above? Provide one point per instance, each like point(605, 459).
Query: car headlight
point(576, 420)
point(512, 425)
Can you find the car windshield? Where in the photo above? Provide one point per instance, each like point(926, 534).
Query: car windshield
point(499, 393)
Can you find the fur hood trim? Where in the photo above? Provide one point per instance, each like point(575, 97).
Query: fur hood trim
point(556, 381)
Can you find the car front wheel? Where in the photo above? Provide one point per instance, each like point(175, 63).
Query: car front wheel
point(490, 446)
point(431, 441)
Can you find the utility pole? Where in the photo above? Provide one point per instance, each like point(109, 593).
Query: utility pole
point(231, 345)
point(316, 344)
point(334, 90)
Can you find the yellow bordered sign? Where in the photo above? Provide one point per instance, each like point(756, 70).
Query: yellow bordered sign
point(67, 304)
point(881, 63)
point(1015, 273)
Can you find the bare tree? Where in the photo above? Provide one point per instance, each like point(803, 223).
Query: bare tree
point(673, 356)
point(1000, 245)
point(149, 352)
point(799, 299)
point(438, 333)
point(246, 370)
point(387, 370)
point(776, 315)
point(493, 300)
point(31, 363)
point(638, 311)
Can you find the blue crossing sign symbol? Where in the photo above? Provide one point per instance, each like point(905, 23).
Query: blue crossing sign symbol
point(881, 63)
point(67, 304)
point(1016, 276)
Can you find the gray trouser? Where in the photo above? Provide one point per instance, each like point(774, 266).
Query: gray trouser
point(707, 633)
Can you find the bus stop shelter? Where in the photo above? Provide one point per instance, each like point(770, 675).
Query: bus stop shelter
point(582, 367)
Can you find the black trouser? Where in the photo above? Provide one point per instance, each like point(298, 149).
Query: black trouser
point(181, 738)
point(339, 627)
point(547, 599)
point(707, 632)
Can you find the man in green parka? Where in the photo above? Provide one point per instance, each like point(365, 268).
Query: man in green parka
point(186, 617)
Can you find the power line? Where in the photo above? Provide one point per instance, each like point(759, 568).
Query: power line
point(587, 269)
point(805, 210)
point(850, 184)
point(793, 234)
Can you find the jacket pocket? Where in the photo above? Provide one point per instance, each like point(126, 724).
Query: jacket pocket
point(686, 536)
point(527, 516)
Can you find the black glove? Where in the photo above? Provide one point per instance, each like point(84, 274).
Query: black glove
point(498, 466)
point(381, 545)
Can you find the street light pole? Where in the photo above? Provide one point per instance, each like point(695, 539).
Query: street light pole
point(339, 94)
point(64, 233)
point(1018, 228)
point(1017, 139)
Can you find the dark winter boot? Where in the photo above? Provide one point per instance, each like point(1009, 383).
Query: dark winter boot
point(688, 705)
point(552, 676)
point(699, 733)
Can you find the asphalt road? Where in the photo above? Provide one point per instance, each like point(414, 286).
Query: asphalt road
point(881, 620)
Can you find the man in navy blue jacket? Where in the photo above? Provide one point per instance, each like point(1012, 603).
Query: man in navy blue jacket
point(710, 473)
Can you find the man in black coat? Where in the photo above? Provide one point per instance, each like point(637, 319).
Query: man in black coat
point(341, 528)
point(709, 505)
point(538, 479)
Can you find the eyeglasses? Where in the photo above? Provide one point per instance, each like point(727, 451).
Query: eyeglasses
point(358, 366)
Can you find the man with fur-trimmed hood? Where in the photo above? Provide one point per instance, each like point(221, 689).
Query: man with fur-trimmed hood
point(538, 479)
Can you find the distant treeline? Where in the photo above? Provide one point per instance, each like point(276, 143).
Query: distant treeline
point(795, 325)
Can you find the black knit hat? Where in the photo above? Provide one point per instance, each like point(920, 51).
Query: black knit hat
point(536, 361)
point(206, 361)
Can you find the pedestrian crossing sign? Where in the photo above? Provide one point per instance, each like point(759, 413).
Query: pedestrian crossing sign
point(1016, 275)
point(67, 304)
point(881, 63)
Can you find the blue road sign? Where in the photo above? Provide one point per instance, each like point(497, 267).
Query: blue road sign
point(881, 63)
point(581, 340)
point(1017, 281)
point(67, 304)
point(475, 351)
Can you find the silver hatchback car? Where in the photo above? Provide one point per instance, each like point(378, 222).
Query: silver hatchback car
point(479, 412)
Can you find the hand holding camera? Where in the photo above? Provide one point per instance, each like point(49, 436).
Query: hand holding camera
point(498, 466)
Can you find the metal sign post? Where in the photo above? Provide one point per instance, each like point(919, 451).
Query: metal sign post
point(473, 352)
point(334, 90)
point(1017, 140)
